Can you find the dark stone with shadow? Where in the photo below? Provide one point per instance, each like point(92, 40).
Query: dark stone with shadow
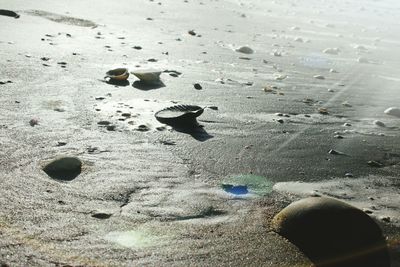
point(64, 169)
point(101, 215)
point(9, 13)
point(332, 233)
point(147, 86)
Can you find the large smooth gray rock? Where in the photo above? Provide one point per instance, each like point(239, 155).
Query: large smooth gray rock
point(332, 233)
point(64, 169)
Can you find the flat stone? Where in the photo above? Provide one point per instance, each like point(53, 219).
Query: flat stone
point(64, 169)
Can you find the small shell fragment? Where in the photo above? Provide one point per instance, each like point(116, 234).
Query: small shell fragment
point(119, 74)
point(148, 76)
point(393, 111)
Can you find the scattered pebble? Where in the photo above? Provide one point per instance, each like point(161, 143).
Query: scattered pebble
point(323, 111)
point(331, 51)
point(61, 143)
point(348, 174)
point(33, 122)
point(373, 163)
point(197, 86)
point(142, 128)
point(110, 127)
point(319, 77)
point(101, 215)
point(379, 123)
point(244, 50)
point(104, 123)
point(192, 32)
point(277, 54)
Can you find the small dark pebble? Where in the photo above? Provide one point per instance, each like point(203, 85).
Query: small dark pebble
point(152, 60)
point(33, 122)
point(137, 47)
point(348, 174)
point(104, 123)
point(280, 120)
point(61, 143)
point(373, 163)
point(192, 32)
point(197, 86)
point(338, 136)
point(142, 128)
point(101, 215)
point(110, 128)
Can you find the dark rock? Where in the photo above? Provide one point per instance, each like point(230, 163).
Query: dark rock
point(333, 233)
point(197, 86)
point(64, 169)
point(101, 215)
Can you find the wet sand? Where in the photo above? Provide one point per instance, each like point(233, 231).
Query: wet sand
point(149, 194)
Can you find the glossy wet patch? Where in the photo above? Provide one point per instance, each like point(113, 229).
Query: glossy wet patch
point(134, 239)
point(64, 169)
point(244, 184)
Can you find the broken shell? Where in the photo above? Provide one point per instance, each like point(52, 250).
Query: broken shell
point(119, 74)
point(148, 76)
point(393, 111)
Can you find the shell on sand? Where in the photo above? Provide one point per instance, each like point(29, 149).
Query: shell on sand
point(119, 74)
point(393, 111)
point(179, 114)
point(148, 76)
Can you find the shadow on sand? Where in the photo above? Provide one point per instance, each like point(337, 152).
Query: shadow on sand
point(193, 128)
point(147, 86)
point(117, 82)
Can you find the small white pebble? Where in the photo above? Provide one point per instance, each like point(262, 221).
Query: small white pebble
point(319, 77)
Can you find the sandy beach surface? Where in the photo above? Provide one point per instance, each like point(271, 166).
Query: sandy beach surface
point(301, 89)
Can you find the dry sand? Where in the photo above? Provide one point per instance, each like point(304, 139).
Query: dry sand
point(151, 195)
